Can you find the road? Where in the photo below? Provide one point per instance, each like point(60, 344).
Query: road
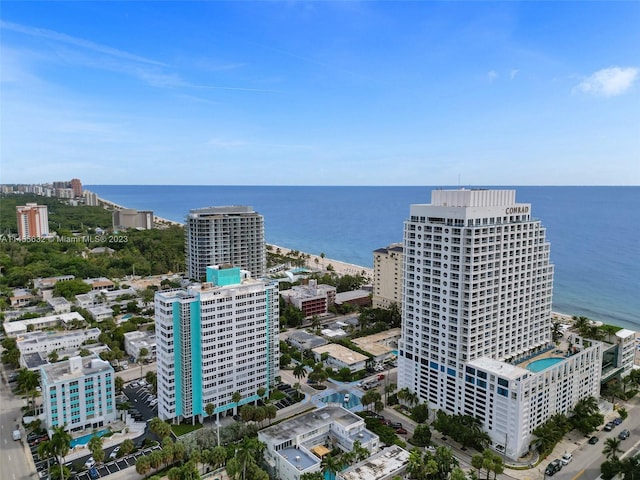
point(15, 457)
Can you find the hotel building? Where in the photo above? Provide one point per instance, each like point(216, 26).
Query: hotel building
point(215, 340)
point(477, 316)
point(224, 235)
point(387, 276)
point(33, 221)
point(78, 393)
point(131, 218)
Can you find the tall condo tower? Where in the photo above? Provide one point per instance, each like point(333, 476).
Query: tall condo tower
point(216, 340)
point(33, 220)
point(225, 235)
point(477, 294)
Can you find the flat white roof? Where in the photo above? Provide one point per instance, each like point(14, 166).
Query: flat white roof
point(13, 328)
point(505, 370)
point(345, 355)
point(381, 465)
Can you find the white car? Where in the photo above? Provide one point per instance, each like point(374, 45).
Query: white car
point(114, 452)
point(566, 458)
point(89, 463)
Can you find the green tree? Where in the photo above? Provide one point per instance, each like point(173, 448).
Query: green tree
point(127, 447)
point(420, 413)
point(143, 465)
point(142, 356)
point(119, 384)
point(330, 466)
point(299, 371)
point(209, 409)
point(59, 445)
point(611, 448)
point(235, 398)
point(421, 436)
point(95, 447)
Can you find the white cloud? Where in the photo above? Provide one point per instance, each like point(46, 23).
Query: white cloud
point(492, 75)
point(608, 82)
point(513, 73)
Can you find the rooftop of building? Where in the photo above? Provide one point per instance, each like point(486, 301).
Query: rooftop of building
point(301, 336)
point(35, 360)
point(379, 343)
point(343, 297)
point(74, 367)
point(308, 422)
point(39, 336)
point(220, 210)
point(379, 466)
point(18, 326)
point(394, 247)
point(298, 457)
point(343, 354)
point(57, 301)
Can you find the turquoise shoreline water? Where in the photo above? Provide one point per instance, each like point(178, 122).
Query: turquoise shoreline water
point(593, 231)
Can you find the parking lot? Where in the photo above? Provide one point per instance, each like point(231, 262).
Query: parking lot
point(143, 402)
point(114, 466)
point(290, 393)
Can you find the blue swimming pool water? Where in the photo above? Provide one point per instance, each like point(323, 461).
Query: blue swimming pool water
point(338, 397)
point(543, 364)
point(85, 438)
point(127, 316)
point(395, 352)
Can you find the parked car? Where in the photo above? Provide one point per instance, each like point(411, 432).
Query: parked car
point(609, 426)
point(566, 458)
point(624, 434)
point(593, 440)
point(89, 463)
point(553, 468)
point(617, 421)
point(431, 449)
point(114, 452)
point(401, 431)
point(395, 425)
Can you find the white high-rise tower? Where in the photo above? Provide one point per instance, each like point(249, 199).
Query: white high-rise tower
point(224, 235)
point(477, 294)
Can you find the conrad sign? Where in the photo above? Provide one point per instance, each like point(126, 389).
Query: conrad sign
point(512, 210)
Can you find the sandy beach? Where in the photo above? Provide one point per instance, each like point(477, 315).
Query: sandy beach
point(157, 220)
point(317, 262)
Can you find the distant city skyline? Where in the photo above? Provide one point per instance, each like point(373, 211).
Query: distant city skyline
point(321, 93)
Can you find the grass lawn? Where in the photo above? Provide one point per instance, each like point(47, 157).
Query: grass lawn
point(182, 429)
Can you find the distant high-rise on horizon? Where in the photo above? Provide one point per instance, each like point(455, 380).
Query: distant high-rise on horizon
point(33, 221)
point(224, 235)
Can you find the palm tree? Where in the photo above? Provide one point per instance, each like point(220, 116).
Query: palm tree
point(330, 466)
point(611, 448)
point(209, 408)
point(389, 388)
point(218, 456)
point(95, 447)
point(271, 412)
point(143, 465)
point(59, 445)
point(142, 356)
point(299, 371)
point(235, 398)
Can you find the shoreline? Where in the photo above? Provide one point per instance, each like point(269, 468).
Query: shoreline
point(340, 267)
point(156, 219)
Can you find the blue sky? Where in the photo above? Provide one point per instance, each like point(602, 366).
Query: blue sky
point(320, 93)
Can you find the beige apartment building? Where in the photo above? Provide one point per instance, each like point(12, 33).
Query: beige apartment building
point(387, 276)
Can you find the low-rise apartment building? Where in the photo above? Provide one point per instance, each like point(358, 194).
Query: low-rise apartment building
point(341, 357)
point(78, 393)
point(296, 446)
point(312, 299)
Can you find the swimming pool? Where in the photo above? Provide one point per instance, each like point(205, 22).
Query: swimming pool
point(395, 352)
point(338, 397)
point(83, 440)
point(542, 364)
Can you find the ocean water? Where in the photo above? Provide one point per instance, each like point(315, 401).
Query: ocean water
point(594, 231)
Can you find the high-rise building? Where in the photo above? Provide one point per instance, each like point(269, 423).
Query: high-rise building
point(78, 393)
point(215, 340)
point(221, 235)
point(76, 186)
point(33, 221)
point(476, 328)
point(387, 276)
